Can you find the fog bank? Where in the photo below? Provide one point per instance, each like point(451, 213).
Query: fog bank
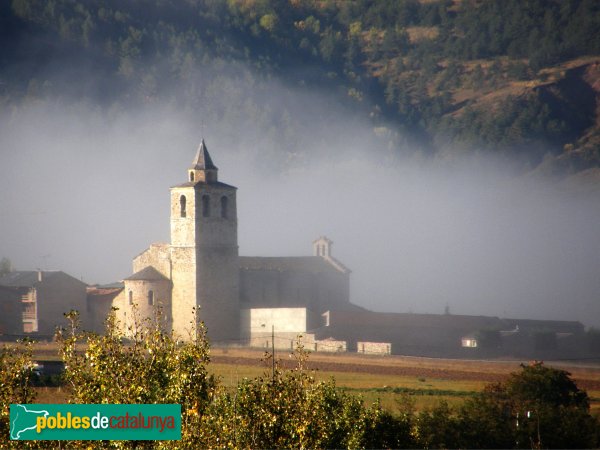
point(84, 191)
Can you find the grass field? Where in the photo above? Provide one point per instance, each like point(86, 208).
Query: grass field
point(387, 388)
point(389, 379)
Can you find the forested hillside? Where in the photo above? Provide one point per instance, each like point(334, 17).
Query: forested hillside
point(519, 79)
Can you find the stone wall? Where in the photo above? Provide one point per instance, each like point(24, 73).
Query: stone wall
point(158, 256)
point(217, 263)
point(374, 348)
point(218, 294)
point(277, 288)
point(204, 261)
point(328, 346)
point(287, 324)
point(285, 320)
point(99, 303)
point(182, 226)
point(183, 298)
point(136, 305)
point(283, 340)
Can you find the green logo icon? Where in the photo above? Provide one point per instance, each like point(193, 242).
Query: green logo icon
point(95, 422)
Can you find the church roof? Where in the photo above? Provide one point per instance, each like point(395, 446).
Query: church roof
point(102, 293)
point(310, 264)
point(200, 183)
point(202, 161)
point(148, 273)
point(113, 285)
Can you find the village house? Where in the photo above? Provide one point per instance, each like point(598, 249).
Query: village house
point(38, 301)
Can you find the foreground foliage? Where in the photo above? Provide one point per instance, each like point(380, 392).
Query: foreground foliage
point(537, 407)
point(150, 366)
point(280, 410)
point(16, 376)
point(293, 410)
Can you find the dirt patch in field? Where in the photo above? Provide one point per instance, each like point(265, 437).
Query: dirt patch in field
point(379, 369)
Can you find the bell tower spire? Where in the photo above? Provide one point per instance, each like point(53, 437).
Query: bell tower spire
point(203, 169)
point(204, 252)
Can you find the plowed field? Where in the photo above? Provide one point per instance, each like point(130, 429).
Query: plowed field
point(588, 375)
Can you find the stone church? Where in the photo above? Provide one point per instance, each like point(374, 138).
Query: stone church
point(243, 299)
point(261, 301)
point(201, 273)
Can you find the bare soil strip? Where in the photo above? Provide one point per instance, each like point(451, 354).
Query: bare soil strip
point(397, 366)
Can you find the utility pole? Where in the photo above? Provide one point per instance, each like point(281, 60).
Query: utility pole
point(273, 347)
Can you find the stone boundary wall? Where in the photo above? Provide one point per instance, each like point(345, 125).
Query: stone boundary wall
point(327, 345)
point(374, 348)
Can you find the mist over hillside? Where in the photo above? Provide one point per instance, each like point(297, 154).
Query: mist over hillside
point(104, 104)
point(516, 80)
point(418, 235)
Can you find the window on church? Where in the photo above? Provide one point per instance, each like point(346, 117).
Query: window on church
point(224, 205)
point(191, 176)
point(182, 205)
point(130, 297)
point(205, 206)
point(151, 297)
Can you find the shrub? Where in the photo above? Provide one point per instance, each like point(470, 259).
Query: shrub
point(291, 409)
point(16, 386)
point(152, 366)
point(537, 407)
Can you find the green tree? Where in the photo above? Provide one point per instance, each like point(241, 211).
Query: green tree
point(486, 420)
point(538, 407)
point(478, 77)
point(5, 266)
point(539, 384)
point(16, 386)
point(269, 22)
point(438, 427)
point(291, 409)
point(151, 366)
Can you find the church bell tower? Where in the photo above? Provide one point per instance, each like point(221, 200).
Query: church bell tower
point(204, 253)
